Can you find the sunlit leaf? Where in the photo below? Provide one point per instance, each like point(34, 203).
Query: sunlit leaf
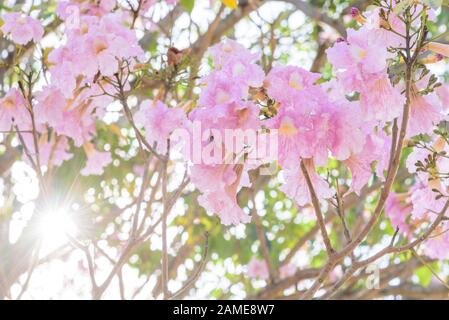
point(187, 4)
point(230, 3)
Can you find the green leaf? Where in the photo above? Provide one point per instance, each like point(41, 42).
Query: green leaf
point(187, 4)
point(424, 276)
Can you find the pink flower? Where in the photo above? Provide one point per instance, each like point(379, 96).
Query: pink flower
point(219, 89)
point(228, 51)
point(237, 62)
point(258, 269)
point(96, 45)
point(305, 135)
point(97, 8)
point(219, 195)
point(361, 66)
point(55, 155)
point(379, 100)
point(52, 151)
point(425, 114)
point(398, 212)
point(235, 71)
point(326, 126)
point(296, 187)
point(22, 28)
point(100, 55)
point(64, 78)
point(347, 138)
point(437, 246)
point(417, 155)
point(363, 49)
point(13, 111)
point(233, 118)
point(425, 202)
point(159, 122)
point(77, 124)
point(293, 86)
point(374, 22)
point(443, 93)
point(96, 161)
point(50, 106)
point(360, 164)
point(287, 270)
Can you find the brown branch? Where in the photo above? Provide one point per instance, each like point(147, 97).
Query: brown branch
point(318, 213)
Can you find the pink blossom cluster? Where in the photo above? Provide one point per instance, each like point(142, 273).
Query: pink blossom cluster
point(224, 105)
point(21, 28)
point(420, 206)
point(97, 42)
point(348, 118)
point(361, 65)
point(159, 122)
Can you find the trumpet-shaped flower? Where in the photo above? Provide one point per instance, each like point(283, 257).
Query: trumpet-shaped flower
point(296, 185)
point(22, 29)
point(96, 160)
point(13, 111)
point(159, 122)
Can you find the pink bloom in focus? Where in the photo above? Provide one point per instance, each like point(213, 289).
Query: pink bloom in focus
point(347, 138)
point(301, 134)
point(258, 269)
point(100, 55)
point(360, 164)
point(361, 65)
point(219, 194)
point(379, 100)
point(228, 51)
point(374, 22)
point(363, 49)
point(13, 111)
point(417, 155)
point(425, 113)
point(159, 122)
point(293, 86)
point(235, 71)
point(223, 120)
point(287, 125)
point(237, 62)
point(219, 89)
point(22, 28)
point(327, 126)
